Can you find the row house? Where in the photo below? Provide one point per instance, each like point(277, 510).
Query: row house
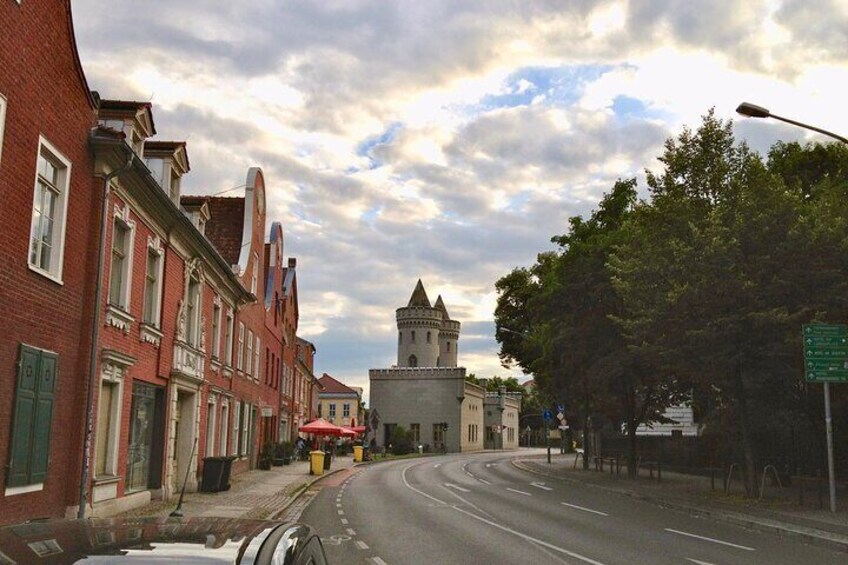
point(47, 193)
point(339, 403)
point(305, 387)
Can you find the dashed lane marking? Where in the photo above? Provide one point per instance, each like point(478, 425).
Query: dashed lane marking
point(351, 532)
point(484, 481)
point(519, 491)
point(341, 512)
point(457, 487)
point(344, 521)
point(584, 509)
point(541, 486)
point(379, 561)
point(699, 562)
point(361, 544)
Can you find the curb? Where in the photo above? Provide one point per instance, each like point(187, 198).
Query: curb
point(302, 489)
point(811, 535)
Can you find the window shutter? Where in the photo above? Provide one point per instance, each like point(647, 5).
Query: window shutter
point(33, 417)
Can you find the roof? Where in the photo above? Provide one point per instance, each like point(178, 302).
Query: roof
point(225, 226)
point(440, 305)
point(332, 386)
point(419, 296)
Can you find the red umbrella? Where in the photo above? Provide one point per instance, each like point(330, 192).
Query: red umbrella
point(322, 428)
point(348, 432)
point(359, 429)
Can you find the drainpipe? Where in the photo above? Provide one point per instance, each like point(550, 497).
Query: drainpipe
point(95, 337)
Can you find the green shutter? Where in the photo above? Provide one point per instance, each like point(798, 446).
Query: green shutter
point(32, 418)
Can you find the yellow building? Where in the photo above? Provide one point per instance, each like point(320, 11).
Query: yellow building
point(339, 403)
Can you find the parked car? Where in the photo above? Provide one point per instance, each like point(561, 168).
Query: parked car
point(161, 540)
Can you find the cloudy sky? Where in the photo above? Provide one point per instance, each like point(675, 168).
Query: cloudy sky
point(442, 139)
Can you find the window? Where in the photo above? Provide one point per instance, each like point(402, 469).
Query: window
point(119, 275)
point(210, 428)
point(44, 548)
point(249, 361)
point(245, 429)
point(32, 419)
point(193, 311)
point(175, 187)
point(412, 336)
point(448, 346)
point(225, 427)
point(240, 350)
point(49, 210)
point(152, 286)
point(428, 337)
point(228, 339)
point(108, 421)
point(400, 338)
point(2, 122)
point(438, 434)
point(236, 424)
point(413, 361)
point(216, 329)
point(416, 433)
point(346, 410)
point(257, 354)
point(332, 413)
point(320, 406)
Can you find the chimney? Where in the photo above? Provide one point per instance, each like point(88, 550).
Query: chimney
point(292, 262)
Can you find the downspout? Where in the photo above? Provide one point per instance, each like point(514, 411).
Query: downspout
point(95, 337)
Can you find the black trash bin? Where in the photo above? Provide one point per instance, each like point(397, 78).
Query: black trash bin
point(326, 460)
point(213, 472)
point(225, 475)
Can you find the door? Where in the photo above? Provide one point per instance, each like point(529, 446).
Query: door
point(142, 413)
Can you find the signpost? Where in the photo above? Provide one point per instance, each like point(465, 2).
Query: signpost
point(548, 416)
point(826, 361)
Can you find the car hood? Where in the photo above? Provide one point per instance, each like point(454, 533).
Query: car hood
point(140, 540)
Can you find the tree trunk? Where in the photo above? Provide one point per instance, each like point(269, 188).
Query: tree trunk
point(586, 443)
point(750, 468)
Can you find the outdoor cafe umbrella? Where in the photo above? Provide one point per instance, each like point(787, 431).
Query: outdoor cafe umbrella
point(321, 427)
point(358, 429)
point(348, 432)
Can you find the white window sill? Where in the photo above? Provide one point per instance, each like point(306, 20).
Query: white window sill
point(12, 491)
point(46, 274)
point(119, 318)
point(151, 334)
point(106, 479)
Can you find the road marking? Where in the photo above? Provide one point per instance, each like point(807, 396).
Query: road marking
point(699, 562)
point(710, 539)
point(584, 509)
point(436, 466)
point(351, 531)
point(341, 512)
point(519, 491)
point(338, 504)
point(484, 481)
point(344, 521)
point(457, 487)
point(379, 561)
point(496, 525)
point(361, 544)
point(541, 486)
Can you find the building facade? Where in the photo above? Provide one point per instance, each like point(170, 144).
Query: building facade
point(338, 403)
point(426, 392)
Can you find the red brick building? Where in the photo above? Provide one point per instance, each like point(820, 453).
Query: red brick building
point(48, 212)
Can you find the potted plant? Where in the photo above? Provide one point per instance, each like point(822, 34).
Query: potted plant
point(280, 454)
point(266, 456)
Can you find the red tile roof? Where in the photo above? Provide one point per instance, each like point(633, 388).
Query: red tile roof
point(225, 226)
point(332, 386)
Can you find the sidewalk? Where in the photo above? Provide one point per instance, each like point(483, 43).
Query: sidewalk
point(254, 494)
point(777, 511)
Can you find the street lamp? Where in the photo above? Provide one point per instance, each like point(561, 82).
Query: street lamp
point(754, 111)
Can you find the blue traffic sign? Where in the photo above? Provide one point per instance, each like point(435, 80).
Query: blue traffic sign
point(560, 408)
point(548, 415)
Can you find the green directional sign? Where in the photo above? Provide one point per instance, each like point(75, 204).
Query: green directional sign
point(826, 353)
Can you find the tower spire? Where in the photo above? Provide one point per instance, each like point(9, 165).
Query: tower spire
point(440, 305)
point(419, 296)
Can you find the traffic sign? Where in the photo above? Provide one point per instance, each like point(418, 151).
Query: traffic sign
point(548, 415)
point(826, 353)
point(560, 408)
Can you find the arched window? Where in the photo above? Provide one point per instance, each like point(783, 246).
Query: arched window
point(400, 338)
point(413, 361)
point(448, 346)
point(438, 361)
point(413, 336)
point(428, 337)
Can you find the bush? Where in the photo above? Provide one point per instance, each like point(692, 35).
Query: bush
point(402, 441)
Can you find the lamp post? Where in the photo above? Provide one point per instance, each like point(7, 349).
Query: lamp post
point(754, 111)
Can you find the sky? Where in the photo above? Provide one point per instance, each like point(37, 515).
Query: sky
point(446, 140)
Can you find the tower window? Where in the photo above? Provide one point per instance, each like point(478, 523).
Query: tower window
point(413, 361)
point(413, 336)
point(400, 338)
point(448, 346)
point(428, 337)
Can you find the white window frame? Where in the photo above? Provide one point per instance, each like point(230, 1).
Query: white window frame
point(112, 375)
point(3, 105)
point(223, 433)
point(257, 358)
point(216, 327)
point(245, 429)
point(154, 249)
point(122, 217)
point(228, 338)
point(240, 349)
point(249, 355)
point(331, 412)
point(346, 410)
point(54, 271)
point(236, 426)
point(194, 319)
point(211, 426)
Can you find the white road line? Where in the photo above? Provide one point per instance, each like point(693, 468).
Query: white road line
point(457, 487)
point(351, 532)
point(379, 561)
point(699, 562)
point(541, 486)
point(361, 544)
point(584, 509)
point(488, 464)
point(338, 504)
point(710, 539)
point(341, 512)
point(496, 525)
point(344, 521)
point(484, 481)
point(436, 466)
point(519, 491)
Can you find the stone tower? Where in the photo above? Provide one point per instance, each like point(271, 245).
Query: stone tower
point(427, 337)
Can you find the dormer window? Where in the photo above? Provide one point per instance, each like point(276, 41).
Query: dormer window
point(174, 186)
point(137, 142)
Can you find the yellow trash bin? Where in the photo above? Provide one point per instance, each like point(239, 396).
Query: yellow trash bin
point(357, 453)
point(317, 463)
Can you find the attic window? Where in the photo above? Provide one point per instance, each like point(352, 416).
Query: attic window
point(175, 190)
point(137, 143)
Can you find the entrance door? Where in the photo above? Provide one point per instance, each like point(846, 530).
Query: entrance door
point(142, 414)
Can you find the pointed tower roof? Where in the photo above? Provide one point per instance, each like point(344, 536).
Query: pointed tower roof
point(440, 305)
point(419, 296)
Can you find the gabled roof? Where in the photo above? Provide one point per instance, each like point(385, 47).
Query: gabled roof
point(225, 226)
point(419, 296)
point(440, 305)
point(175, 149)
point(332, 386)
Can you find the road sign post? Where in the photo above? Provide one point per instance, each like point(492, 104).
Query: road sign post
point(826, 361)
point(548, 416)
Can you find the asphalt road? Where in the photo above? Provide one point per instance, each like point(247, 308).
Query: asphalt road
point(479, 508)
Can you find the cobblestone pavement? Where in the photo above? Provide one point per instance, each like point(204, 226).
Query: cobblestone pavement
point(254, 494)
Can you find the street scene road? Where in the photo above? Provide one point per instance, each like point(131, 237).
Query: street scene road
point(481, 508)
